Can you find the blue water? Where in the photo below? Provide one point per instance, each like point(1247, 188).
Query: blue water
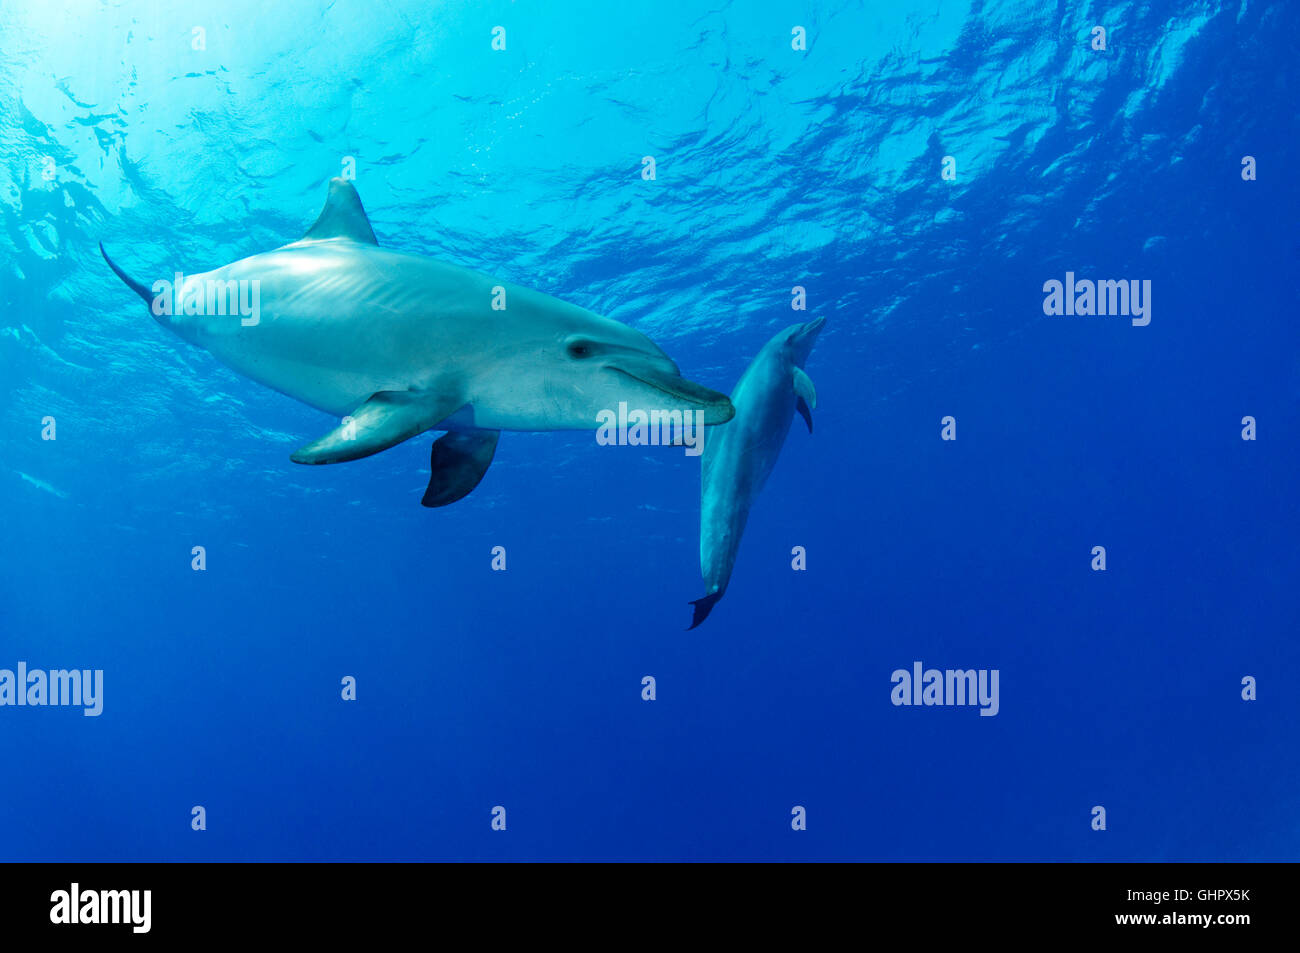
point(774, 168)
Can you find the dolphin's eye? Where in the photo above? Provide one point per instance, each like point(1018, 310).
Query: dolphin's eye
point(579, 349)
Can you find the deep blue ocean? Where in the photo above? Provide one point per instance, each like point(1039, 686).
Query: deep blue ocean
point(185, 136)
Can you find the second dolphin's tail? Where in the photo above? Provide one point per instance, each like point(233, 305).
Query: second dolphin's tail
point(703, 607)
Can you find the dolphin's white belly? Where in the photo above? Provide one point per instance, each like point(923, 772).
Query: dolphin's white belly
point(333, 326)
point(334, 322)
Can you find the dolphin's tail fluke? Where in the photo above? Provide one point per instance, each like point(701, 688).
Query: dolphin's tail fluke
point(703, 607)
point(145, 294)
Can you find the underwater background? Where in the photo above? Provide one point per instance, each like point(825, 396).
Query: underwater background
point(185, 136)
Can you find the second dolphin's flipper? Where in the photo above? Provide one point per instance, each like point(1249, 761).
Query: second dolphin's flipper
point(383, 421)
point(806, 395)
point(804, 412)
point(458, 462)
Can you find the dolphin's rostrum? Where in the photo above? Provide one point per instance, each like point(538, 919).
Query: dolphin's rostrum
point(738, 458)
point(396, 344)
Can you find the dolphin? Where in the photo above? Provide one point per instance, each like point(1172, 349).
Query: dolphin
point(738, 458)
point(397, 344)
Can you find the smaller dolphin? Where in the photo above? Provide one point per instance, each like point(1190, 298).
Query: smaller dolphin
point(737, 458)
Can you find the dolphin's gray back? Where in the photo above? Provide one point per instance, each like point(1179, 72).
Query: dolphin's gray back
point(738, 458)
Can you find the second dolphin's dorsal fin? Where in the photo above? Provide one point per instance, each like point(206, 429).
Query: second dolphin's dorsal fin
point(342, 216)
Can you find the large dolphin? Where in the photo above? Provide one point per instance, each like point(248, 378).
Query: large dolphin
point(397, 344)
point(737, 458)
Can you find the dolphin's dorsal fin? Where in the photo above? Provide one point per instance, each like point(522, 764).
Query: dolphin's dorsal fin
point(342, 216)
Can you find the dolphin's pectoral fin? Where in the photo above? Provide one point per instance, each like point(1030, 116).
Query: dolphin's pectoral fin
point(803, 386)
point(342, 216)
point(807, 396)
point(802, 406)
point(458, 461)
point(386, 419)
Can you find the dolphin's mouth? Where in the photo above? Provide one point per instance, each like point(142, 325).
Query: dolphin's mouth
point(717, 407)
point(810, 330)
